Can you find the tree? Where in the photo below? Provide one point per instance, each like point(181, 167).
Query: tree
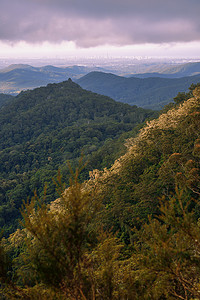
point(58, 236)
point(168, 252)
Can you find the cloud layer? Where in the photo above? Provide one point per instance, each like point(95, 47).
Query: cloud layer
point(91, 23)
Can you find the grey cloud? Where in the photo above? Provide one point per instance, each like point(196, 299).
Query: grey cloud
point(92, 23)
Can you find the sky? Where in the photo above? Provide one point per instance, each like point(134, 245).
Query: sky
point(91, 28)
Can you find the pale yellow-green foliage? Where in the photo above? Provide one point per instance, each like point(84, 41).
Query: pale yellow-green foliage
point(166, 121)
point(37, 292)
point(17, 238)
point(148, 136)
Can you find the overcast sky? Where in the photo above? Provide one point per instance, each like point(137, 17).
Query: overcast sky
point(99, 27)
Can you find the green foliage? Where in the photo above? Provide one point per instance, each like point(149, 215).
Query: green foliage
point(4, 264)
point(43, 129)
point(167, 251)
point(65, 255)
point(130, 232)
point(164, 154)
point(68, 257)
point(61, 236)
point(183, 96)
point(4, 99)
point(105, 265)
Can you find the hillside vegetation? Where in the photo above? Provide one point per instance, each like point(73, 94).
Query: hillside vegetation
point(5, 99)
point(164, 154)
point(151, 92)
point(41, 130)
point(129, 232)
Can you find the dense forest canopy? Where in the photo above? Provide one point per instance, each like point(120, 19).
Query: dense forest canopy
point(130, 231)
point(41, 130)
point(4, 99)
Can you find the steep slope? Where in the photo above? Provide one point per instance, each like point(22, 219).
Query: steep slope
point(41, 130)
point(164, 155)
point(147, 93)
point(67, 249)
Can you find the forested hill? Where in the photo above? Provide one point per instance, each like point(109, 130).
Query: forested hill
point(151, 92)
point(58, 106)
point(130, 232)
point(40, 130)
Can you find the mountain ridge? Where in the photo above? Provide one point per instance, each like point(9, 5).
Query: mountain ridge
point(169, 71)
point(18, 77)
point(151, 92)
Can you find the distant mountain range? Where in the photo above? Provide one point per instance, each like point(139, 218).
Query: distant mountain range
point(152, 92)
point(169, 71)
point(18, 77)
point(153, 89)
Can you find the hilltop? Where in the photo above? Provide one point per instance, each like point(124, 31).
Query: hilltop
point(42, 129)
